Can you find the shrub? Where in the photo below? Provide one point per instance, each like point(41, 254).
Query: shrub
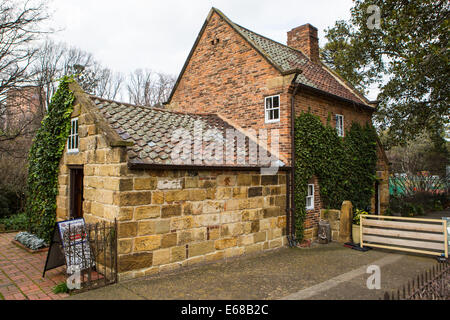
point(44, 157)
point(357, 216)
point(15, 222)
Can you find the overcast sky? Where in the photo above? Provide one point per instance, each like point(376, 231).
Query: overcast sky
point(126, 35)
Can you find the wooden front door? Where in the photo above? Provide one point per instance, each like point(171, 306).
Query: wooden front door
point(76, 193)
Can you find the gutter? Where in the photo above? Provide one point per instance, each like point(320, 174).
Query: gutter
point(290, 211)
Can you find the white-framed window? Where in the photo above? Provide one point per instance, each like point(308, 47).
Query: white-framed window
point(72, 141)
point(340, 125)
point(310, 197)
point(272, 108)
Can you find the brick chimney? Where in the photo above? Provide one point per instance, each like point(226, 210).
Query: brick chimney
point(304, 38)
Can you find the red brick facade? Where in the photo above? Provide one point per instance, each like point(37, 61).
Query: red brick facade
point(225, 74)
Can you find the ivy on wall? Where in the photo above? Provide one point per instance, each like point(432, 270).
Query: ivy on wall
point(345, 167)
point(43, 162)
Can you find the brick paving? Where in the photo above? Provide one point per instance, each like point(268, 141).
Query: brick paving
point(21, 273)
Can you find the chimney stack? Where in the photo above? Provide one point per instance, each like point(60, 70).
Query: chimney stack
point(304, 38)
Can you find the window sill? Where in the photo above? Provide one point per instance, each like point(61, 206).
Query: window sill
point(272, 121)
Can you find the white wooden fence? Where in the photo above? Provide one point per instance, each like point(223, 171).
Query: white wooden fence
point(426, 236)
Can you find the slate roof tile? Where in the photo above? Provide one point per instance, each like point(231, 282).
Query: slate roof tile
point(151, 131)
point(313, 74)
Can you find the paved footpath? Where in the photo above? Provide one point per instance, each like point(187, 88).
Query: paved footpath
point(21, 273)
point(329, 271)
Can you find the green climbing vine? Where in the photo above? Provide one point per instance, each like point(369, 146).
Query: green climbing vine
point(43, 161)
point(345, 167)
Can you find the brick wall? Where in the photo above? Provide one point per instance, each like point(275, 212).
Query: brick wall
point(323, 107)
point(231, 78)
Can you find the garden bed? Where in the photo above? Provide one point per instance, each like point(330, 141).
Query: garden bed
point(30, 242)
point(20, 245)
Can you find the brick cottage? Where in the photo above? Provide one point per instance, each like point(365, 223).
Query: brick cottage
point(118, 161)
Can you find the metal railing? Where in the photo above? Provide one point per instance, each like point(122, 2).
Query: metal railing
point(433, 284)
point(91, 251)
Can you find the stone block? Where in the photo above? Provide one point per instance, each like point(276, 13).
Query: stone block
point(125, 213)
point(225, 243)
point(213, 206)
point(147, 183)
point(157, 197)
point(201, 248)
point(260, 236)
point(153, 227)
point(191, 182)
point(226, 180)
point(231, 230)
point(272, 212)
point(177, 253)
point(197, 194)
point(269, 180)
point(147, 212)
point(135, 198)
point(161, 256)
point(180, 223)
point(244, 180)
point(125, 246)
point(168, 211)
point(176, 195)
point(224, 193)
point(169, 184)
point(254, 192)
point(135, 261)
point(192, 208)
point(169, 240)
point(127, 229)
point(346, 222)
point(147, 243)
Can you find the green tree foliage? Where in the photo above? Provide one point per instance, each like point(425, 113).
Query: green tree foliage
point(427, 152)
point(45, 155)
point(345, 167)
point(407, 56)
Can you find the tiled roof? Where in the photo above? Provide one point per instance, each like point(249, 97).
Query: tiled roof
point(151, 130)
point(286, 58)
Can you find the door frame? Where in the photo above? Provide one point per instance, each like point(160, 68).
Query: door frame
point(72, 199)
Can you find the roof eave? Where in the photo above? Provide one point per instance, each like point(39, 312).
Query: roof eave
point(155, 166)
point(330, 95)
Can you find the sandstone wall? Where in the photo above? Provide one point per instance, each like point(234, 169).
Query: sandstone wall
point(172, 218)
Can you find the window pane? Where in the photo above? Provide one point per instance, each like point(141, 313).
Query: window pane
point(276, 114)
point(276, 102)
point(309, 202)
point(268, 103)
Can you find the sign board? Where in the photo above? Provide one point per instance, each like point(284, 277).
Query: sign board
point(69, 246)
